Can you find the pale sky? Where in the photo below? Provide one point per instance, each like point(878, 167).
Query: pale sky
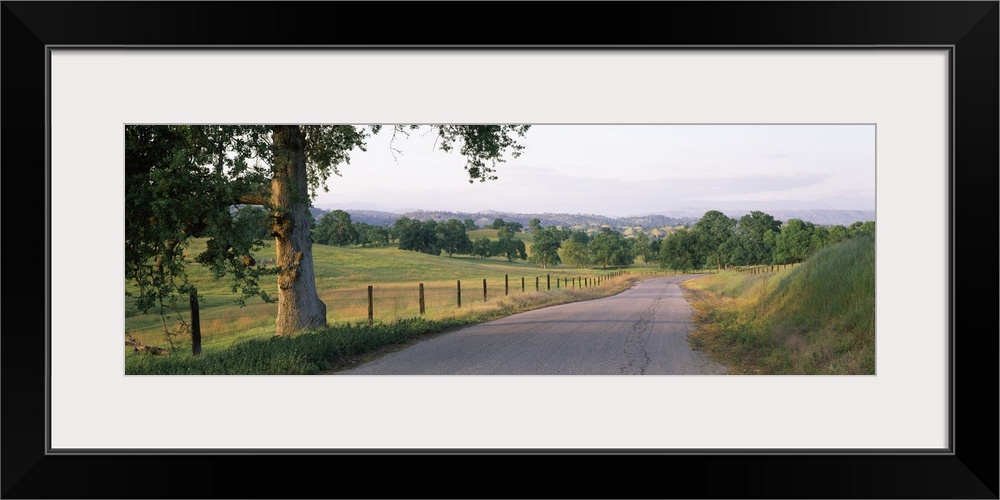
point(623, 170)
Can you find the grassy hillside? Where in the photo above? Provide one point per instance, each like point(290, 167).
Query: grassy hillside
point(816, 318)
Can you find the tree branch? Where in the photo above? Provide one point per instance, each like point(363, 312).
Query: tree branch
point(260, 196)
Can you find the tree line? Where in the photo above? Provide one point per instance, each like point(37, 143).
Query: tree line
point(430, 236)
point(715, 240)
point(757, 238)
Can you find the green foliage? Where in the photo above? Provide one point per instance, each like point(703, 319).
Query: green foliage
point(576, 254)
point(716, 228)
point(609, 248)
point(418, 236)
point(641, 247)
point(860, 228)
point(180, 183)
point(482, 248)
point(579, 237)
point(545, 248)
point(483, 146)
point(795, 242)
point(335, 228)
point(371, 236)
point(254, 220)
point(836, 235)
point(509, 226)
point(683, 250)
point(453, 238)
point(507, 246)
point(753, 240)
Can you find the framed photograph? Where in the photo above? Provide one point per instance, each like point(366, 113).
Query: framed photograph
point(921, 76)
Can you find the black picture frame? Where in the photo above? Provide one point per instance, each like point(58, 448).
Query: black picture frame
point(969, 28)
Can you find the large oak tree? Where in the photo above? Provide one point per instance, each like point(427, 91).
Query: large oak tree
point(187, 181)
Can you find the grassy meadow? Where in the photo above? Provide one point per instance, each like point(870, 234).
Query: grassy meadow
point(813, 318)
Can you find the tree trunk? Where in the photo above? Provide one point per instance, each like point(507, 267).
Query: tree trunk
point(299, 306)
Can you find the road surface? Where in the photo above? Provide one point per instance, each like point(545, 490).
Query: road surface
point(642, 331)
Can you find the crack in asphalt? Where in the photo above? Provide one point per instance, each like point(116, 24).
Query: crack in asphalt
point(636, 357)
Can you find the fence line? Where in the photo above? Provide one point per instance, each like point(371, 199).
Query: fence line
point(376, 302)
point(398, 300)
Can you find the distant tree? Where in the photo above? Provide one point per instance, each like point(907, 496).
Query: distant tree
point(565, 233)
point(470, 225)
point(505, 232)
point(398, 228)
point(794, 242)
point(507, 246)
point(734, 251)
point(609, 248)
point(498, 223)
point(482, 247)
point(820, 236)
point(575, 254)
point(545, 248)
point(371, 236)
point(534, 225)
point(580, 237)
point(641, 248)
point(335, 228)
point(515, 226)
point(859, 228)
point(715, 227)
point(837, 234)
point(419, 236)
point(453, 237)
point(753, 240)
point(682, 250)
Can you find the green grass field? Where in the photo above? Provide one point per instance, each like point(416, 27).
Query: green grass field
point(814, 318)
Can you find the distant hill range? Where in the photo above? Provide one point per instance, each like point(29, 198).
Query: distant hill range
point(483, 219)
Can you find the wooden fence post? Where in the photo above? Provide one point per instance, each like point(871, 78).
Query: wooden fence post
point(421, 299)
point(506, 285)
point(548, 281)
point(522, 283)
point(484, 289)
point(459, 293)
point(371, 309)
point(536, 283)
point(195, 324)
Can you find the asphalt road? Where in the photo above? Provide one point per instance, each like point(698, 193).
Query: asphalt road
point(642, 331)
